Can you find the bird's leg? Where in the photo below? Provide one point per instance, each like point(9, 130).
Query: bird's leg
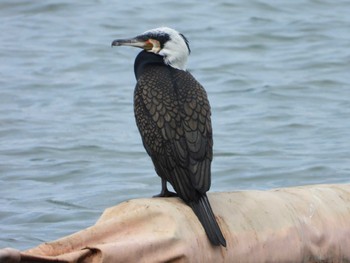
point(165, 192)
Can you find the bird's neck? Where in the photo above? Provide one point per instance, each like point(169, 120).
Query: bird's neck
point(145, 58)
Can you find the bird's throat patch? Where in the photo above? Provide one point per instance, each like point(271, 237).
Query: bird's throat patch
point(153, 45)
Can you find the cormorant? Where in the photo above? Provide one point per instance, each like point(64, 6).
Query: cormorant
point(172, 114)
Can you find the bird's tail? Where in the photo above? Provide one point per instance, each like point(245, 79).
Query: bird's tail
point(203, 211)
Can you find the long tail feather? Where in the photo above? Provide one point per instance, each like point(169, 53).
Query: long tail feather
point(203, 211)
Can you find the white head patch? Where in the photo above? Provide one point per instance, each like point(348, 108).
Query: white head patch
point(175, 50)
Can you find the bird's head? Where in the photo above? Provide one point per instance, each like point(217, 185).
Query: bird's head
point(163, 41)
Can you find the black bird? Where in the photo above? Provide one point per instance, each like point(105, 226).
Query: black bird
point(172, 113)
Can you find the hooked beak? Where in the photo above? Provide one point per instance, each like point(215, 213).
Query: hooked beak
point(150, 45)
point(133, 42)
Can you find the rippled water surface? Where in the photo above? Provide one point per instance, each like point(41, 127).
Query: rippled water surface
point(278, 81)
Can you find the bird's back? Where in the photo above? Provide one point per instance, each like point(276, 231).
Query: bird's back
point(173, 116)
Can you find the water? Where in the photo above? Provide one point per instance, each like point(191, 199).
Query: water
point(277, 78)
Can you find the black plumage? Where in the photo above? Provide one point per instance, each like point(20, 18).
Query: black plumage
point(172, 113)
point(173, 116)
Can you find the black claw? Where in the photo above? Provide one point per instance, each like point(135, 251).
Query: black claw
point(166, 193)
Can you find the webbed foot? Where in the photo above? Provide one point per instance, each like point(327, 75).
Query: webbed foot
point(166, 193)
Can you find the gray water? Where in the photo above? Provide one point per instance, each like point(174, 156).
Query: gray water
point(277, 76)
